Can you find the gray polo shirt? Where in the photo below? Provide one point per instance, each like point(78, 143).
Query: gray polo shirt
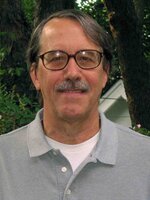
point(117, 169)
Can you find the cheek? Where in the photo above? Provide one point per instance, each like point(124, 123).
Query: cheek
point(47, 84)
point(98, 80)
point(48, 80)
point(41, 79)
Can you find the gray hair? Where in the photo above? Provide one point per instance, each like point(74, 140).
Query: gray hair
point(91, 28)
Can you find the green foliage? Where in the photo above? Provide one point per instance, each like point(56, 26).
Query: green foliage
point(28, 8)
point(97, 10)
point(15, 110)
point(143, 131)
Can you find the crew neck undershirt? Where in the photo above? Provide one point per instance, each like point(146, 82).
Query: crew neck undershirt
point(75, 153)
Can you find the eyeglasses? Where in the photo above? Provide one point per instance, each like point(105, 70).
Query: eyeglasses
point(58, 60)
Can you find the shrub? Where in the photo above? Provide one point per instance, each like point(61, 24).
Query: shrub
point(15, 110)
point(143, 131)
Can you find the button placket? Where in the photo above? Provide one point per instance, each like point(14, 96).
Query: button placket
point(63, 172)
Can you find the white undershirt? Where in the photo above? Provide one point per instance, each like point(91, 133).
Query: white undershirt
point(77, 153)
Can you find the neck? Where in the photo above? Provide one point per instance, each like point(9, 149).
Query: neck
point(71, 131)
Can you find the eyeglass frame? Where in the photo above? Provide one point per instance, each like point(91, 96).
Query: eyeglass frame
point(101, 54)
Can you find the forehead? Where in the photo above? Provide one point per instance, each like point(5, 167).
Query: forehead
point(59, 24)
point(60, 27)
point(60, 32)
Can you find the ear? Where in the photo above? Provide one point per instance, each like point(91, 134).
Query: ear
point(105, 78)
point(34, 76)
point(106, 68)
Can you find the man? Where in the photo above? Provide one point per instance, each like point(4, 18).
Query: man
point(71, 151)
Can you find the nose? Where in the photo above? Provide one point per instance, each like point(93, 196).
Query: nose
point(72, 70)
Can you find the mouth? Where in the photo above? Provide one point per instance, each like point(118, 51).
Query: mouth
point(72, 91)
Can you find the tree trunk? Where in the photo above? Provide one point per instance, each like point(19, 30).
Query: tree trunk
point(46, 7)
point(127, 32)
point(140, 5)
point(14, 39)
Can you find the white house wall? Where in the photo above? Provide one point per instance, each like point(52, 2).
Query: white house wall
point(114, 105)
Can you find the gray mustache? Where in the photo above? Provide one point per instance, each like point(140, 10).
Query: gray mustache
point(72, 85)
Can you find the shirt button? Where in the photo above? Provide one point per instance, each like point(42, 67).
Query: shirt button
point(54, 153)
point(68, 191)
point(63, 169)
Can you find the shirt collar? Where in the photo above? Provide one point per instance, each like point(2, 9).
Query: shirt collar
point(106, 149)
point(37, 143)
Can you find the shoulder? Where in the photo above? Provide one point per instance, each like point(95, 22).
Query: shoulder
point(13, 150)
point(131, 134)
point(133, 144)
point(14, 138)
point(125, 135)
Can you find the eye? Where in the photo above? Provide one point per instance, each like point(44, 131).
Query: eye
point(86, 57)
point(54, 57)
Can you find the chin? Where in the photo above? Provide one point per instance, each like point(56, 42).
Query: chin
point(72, 115)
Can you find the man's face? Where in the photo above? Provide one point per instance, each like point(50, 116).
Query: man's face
point(67, 35)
